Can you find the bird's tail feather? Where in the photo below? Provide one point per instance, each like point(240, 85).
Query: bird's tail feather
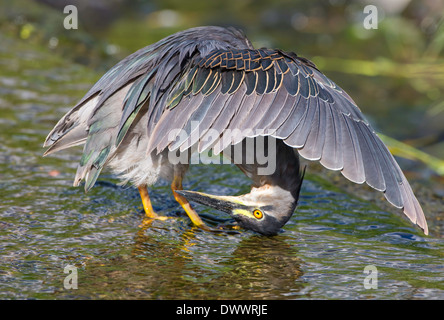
point(100, 144)
point(95, 126)
point(72, 129)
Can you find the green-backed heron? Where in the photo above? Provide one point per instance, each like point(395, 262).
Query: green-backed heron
point(143, 109)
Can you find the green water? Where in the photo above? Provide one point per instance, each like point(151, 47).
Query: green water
point(46, 224)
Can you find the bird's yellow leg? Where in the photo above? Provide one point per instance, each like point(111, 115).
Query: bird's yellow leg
point(177, 185)
point(147, 207)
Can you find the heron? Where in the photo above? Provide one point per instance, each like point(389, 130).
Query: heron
point(143, 109)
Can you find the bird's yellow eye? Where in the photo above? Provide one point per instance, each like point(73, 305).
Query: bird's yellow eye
point(258, 214)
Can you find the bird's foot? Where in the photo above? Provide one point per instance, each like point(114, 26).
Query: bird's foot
point(148, 220)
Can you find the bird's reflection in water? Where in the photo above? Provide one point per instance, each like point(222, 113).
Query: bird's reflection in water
point(221, 265)
point(175, 261)
point(264, 267)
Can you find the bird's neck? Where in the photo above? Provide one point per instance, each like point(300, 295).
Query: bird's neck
point(267, 194)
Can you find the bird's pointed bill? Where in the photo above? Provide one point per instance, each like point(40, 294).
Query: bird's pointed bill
point(223, 203)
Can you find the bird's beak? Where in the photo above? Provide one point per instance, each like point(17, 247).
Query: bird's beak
point(223, 203)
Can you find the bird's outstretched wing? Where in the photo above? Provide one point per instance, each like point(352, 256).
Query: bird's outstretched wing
point(247, 92)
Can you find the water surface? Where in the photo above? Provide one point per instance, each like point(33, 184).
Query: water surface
point(46, 224)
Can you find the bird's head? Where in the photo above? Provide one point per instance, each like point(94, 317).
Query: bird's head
point(264, 210)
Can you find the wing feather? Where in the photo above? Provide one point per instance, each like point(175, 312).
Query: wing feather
point(353, 166)
point(331, 157)
point(300, 133)
point(312, 148)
